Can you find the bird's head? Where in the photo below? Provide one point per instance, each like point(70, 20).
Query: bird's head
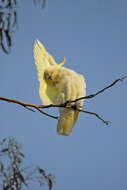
point(52, 74)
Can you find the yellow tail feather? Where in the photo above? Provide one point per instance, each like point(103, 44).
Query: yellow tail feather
point(67, 121)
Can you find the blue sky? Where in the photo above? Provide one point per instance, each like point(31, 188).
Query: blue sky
point(92, 35)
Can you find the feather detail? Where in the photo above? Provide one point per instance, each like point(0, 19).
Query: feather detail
point(42, 60)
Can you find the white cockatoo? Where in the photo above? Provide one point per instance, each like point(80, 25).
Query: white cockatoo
point(59, 84)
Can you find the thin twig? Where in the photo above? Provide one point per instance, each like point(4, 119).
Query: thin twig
point(49, 115)
point(30, 109)
point(98, 92)
point(97, 115)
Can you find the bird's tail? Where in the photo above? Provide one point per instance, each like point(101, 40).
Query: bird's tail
point(67, 121)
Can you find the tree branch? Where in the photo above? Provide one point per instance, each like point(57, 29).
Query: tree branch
point(100, 91)
point(34, 107)
point(95, 114)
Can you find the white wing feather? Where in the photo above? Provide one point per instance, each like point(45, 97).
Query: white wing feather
point(42, 60)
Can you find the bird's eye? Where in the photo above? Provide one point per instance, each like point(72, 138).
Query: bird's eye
point(47, 76)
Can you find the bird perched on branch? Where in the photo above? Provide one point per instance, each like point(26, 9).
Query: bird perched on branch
point(58, 85)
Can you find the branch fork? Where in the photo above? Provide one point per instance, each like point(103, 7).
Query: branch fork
point(35, 107)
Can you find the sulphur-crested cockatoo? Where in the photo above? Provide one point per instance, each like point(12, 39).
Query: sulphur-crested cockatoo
point(59, 84)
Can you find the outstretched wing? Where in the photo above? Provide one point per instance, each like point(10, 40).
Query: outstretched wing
point(42, 60)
